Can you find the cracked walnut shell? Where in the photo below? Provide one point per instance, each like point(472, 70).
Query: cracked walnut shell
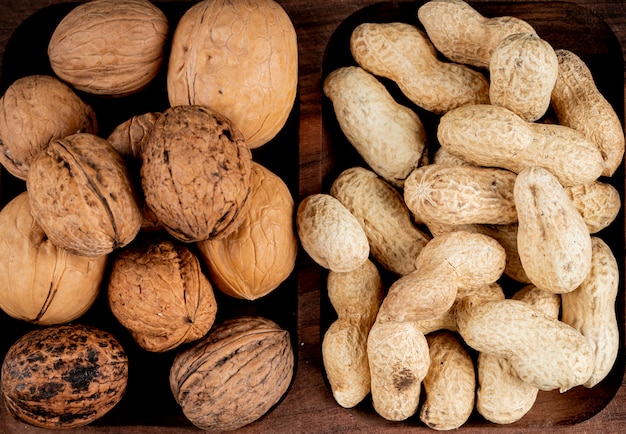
point(158, 292)
point(196, 173)
point(82, 195)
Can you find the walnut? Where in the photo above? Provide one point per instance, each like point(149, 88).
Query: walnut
point(64, 376)
point(261, 253)
point(196, 173)
point(158, 292)
point(41, 283)
point(82, 195)
point(33, 111)
point(235, 375)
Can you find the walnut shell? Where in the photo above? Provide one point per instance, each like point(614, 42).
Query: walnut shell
point(35, 110)
point(261, 253)
point(41, 283)
point(196, 173)
point(109, 47)
point(82, 196)
point(241, 58)
point(235, 375)
point(64, 376)
point(159, 293)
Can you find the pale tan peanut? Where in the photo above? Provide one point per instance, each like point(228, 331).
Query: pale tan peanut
point(493, 136)
point(394, 240)
point(444, 157)
point(591, 309)
point(522, 73)
point(502, 397)
point(403, 53)
point(399, 360)
point(579, 104)
point(330, 234)
point(598, 203)
point(356, 296)
point(389, 136)
point(446, 321)
point(553, 241)
point(452, 194)
point(462, 34)
point(448, 262)
point(449, 385)
point(545, 352)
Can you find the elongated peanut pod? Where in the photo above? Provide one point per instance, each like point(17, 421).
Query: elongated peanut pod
point(493, 136)
point(403, 53)
point(399, 359)
point(449, 385)
point(591, 309)
point(462, 34)
point(545, 352)
point(389, 136)
point(553, 241)
point(579, 104)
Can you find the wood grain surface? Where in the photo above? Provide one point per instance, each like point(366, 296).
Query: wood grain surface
point(598, 28)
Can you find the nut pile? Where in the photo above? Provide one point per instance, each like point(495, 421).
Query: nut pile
point(500, 284)
point(158, 212)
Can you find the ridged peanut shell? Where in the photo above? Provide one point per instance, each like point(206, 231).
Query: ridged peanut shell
point(449, 385)
point(458, 195)
point(545, 352)
point(579, 104)
point(235, 375)
point(34, 111)
point(109, 47)
point(599, 203)
point(493, 136)
point(389, 136)
point(403, 53)
point(241, 59)
point(553, 241)
point(64, 376)
point(260, 254)
point(394, 240)
point(41, 283)
point(330, 234)
point(591, 309)
point(82, 195)
point(462, 34)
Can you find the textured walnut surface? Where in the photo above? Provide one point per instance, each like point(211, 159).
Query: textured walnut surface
point(196, 173)
point(64, 376)
point(158, 291)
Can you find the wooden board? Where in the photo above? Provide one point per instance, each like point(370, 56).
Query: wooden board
point(316, 151)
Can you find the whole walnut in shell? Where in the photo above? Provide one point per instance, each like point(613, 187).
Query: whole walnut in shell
point(261, 253)
point(235, 375)
point(33, 111)
point(64, 376)
point(241, 59)
point(109, 47)
point(82, 195)
point(158, 292)
point(196, 173)
point(40, 282)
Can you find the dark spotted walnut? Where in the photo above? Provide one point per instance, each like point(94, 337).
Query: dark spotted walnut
point(82, 196)
point(41, 283)
point(235, 375)
point(63, 376)
point(196, 173)
point(158, 292)
point(33, 111)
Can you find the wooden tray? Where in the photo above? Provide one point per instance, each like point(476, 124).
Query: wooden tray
point(300, 305)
